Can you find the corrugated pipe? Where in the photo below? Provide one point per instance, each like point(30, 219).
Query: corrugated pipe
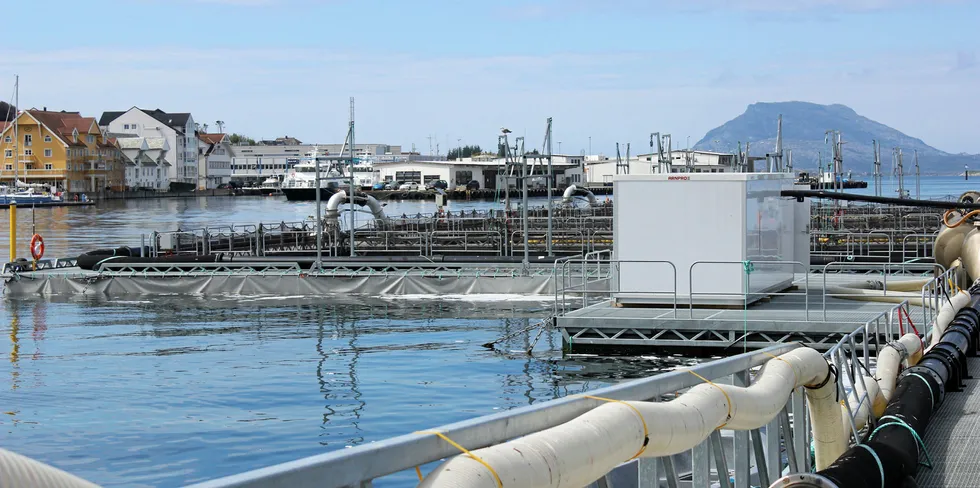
point(584, 449)
point(889, 455)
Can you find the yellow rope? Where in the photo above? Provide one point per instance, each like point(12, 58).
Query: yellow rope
point(646, 431)
point(796, 377)
point(728, 399)
point(463, 449)
point(953, 286)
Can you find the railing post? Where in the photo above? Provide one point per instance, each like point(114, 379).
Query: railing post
point(701, 464)
point(740, 447)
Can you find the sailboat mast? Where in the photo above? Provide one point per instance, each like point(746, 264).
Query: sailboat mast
point(16, 136)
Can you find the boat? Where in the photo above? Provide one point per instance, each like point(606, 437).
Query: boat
point(28, 196)
point(271, 185)
point(300, 182)
point(365, 175)
point(828, 181)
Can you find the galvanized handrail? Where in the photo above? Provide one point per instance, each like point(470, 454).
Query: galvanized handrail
point(884, 274)
point(745, 295)
point(360, 465)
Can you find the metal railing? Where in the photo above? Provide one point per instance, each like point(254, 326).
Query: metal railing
point(935, 293)
point(785, 437)
point(896, 268)
point(746, 295)
point(855, 356)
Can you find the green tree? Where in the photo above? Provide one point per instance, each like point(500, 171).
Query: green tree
point(464, 152)
point(241, 140)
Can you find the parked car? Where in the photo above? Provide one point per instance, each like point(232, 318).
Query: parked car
point(473, 185)
point(378, 186)
point(433, 184)
point(410, 186)
point(393, 185)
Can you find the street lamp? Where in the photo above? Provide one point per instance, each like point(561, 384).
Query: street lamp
point(559, 147)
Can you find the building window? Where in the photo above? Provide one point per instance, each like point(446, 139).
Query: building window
point(48, 166)
point(9, 153)
point(47, 138)
point(47, 153)
point(28, 139)
point(90, 139)
point(464, 177)
point(7, 139)
point(126, 126)
point(10, 167)
point(409, 176)
point(28, 152)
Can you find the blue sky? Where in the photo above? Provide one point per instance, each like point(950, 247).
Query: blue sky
point(614, 70)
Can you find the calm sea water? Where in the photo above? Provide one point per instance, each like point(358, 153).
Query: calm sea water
point(168, 391)
point(165, 391)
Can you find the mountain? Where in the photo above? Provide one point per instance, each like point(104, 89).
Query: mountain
point(804, 126)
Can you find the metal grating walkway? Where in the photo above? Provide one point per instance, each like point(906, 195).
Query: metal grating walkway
point(952, 438)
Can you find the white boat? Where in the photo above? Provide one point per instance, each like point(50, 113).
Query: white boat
point(27, 196)
point(271, 185)
point(300, 182)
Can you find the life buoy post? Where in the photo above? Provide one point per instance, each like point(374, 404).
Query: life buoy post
point(37, 247)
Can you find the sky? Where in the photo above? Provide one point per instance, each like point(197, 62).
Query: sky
point(458, 71)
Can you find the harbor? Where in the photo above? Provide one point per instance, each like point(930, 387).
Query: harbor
point(570, 305)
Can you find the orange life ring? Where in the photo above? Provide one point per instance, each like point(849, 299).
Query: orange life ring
point(37, 247)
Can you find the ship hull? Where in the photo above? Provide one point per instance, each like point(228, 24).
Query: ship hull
point(307, 194)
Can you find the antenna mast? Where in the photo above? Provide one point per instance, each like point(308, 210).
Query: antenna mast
point(352, 212)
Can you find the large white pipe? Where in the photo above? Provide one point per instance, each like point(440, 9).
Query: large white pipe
point(947, 312)
point(572, 190)
point(17, 470)
point(909, 349)
point(340, 198)
point(584, 449)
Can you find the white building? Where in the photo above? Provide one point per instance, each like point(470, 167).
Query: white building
point(177, 128)
point(602, 169)
point(483, 170)
point(214, 161)
point(146, 166)
point(253, 164)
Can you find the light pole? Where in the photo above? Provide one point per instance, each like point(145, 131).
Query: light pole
point(590, 145)
point(559, 147)
point(459, 149)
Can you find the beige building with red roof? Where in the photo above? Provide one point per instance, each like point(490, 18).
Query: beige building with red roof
point(61, 149)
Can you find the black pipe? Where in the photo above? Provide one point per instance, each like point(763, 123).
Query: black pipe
point(852, 197)
point(889, 455)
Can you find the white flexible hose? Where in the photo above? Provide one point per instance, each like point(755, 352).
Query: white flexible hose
point(584, 449)
point(947, 312)
point(18, 471)
point(908, 347)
